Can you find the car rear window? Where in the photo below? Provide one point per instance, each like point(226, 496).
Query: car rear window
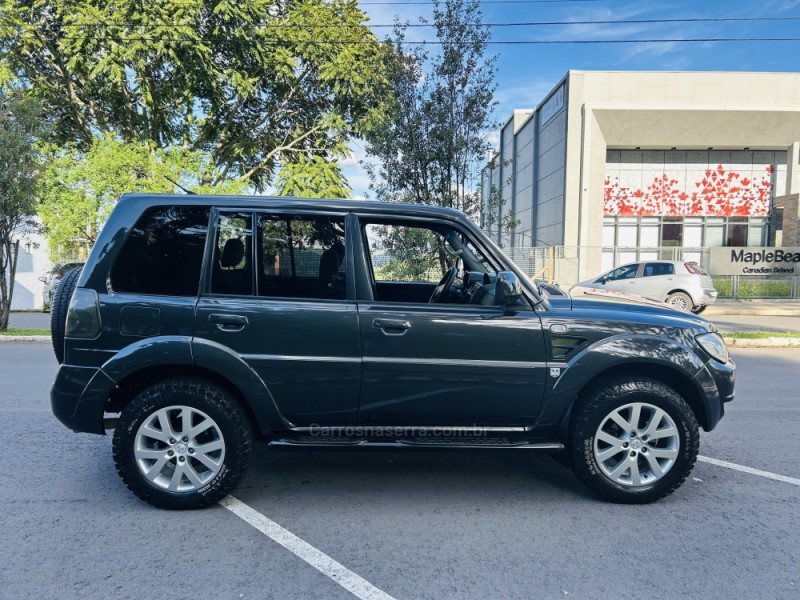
point(163, 254)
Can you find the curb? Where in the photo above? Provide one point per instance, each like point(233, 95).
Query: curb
point(24, 338)
point(769, 342)
point(753, 312)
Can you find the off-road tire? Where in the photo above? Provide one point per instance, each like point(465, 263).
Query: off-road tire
point(593, 408)
point(214, 401)
point(58, 310)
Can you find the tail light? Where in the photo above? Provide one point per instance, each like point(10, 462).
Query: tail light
point(691, 269)
point(83, 315)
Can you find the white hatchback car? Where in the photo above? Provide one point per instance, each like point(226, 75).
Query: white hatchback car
point(682, 284)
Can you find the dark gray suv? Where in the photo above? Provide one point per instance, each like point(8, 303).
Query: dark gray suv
point(203, 324)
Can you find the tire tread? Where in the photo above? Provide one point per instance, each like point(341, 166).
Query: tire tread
point(585, 420)
point(209, 394)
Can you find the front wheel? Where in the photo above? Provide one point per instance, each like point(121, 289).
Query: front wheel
point(633, 440)
point(182, 444)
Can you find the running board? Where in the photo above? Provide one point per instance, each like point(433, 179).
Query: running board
point(488, 443)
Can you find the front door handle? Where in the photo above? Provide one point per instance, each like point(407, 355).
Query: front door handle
point(391, 326)
point(228, 322)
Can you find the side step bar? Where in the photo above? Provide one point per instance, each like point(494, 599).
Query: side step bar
point(426, 444)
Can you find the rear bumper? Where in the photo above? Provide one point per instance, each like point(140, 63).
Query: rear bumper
point(78, 397)
point(705, 298)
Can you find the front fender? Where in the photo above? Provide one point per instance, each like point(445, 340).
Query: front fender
point(612, 353)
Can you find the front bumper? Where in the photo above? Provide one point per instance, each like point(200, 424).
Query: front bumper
point(78, 397)
point(717, 381)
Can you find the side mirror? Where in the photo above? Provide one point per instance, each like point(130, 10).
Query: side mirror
point(43, 279)
point(508, 288)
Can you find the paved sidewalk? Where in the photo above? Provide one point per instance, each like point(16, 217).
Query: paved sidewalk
point(775, 308)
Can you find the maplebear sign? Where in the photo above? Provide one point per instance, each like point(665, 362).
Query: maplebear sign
point(755, 261)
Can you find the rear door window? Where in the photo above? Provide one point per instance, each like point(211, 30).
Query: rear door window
point(301, 256)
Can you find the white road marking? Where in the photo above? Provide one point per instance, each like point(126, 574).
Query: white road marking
point(750, 470)
point(356, 585)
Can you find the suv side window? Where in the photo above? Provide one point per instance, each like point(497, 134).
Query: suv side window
point(656, 269)
point(232, 273)
point(163, 253)
point(408, 260)
point(301, 256)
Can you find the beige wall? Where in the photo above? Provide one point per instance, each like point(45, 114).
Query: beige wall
point(655, 110)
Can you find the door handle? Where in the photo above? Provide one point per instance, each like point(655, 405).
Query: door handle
point(228, 322)
point(391, 326)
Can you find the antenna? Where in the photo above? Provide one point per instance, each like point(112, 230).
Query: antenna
point(176, 184)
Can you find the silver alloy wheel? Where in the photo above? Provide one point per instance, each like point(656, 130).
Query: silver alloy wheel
point(680, 301)
point(179, 448)
point(636, 444)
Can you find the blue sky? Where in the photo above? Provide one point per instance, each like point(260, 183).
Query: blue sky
point(527, 72)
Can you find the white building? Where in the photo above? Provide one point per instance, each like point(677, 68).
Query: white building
point(32, 263)
point(619, 166)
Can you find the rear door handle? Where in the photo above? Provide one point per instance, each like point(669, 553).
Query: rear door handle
point(391, 326)
point(228, 322)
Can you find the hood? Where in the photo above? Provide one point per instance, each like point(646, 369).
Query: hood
point(626, 304)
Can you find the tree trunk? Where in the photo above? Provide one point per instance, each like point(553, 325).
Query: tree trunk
point(11, 250)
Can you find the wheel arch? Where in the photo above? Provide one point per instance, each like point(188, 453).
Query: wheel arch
point(137, 381)
point(668, 375)
point(662, 359)
point(144, 362)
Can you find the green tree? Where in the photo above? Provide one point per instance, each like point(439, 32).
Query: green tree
point(79, 188)
point(430, 137)
point(20, 124)
point(256, 85)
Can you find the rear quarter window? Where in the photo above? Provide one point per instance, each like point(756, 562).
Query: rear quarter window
point(163, 253)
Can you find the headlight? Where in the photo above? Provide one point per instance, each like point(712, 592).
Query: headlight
point(714, 345)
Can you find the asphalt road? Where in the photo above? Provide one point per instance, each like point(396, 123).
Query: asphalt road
point(414, 524)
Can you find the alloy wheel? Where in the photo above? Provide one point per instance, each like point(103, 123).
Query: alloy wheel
point(636, 444)
point(179, 448)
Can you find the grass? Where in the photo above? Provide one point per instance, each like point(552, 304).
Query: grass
point(759, 335)
point(17, 331)
point(754, 288)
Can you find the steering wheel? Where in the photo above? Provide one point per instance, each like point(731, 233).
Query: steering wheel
point(444, 285)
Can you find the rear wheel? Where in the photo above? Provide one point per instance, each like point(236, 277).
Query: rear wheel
point(58, 310)
point(680, 300)
point(182, 444)
point(633, 440)
point(698, 309)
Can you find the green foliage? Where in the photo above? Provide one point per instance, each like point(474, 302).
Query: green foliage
point(253, 85)
point(430, 136)
point(753, 287)
point(21, 123)
point(80, 188)
point(409, 253)
point(312, 177)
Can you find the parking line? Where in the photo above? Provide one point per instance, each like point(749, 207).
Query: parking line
point(750, 470)
point(356, 585)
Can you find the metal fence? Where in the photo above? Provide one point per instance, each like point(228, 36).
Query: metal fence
point(560, 264)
